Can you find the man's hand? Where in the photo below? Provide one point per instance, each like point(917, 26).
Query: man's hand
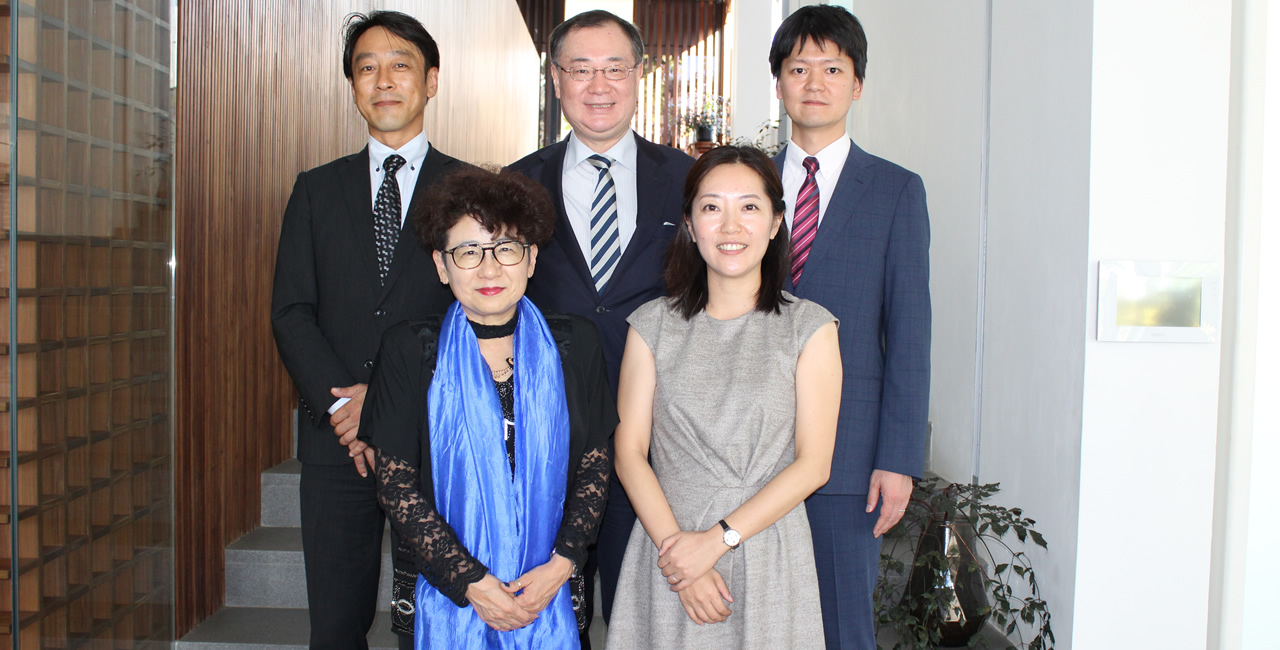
point(362, 455)
point(687, 556)
point(539, 584)
point(497, 608)
point(896, 490)
point(346, 420)
point(704, 599)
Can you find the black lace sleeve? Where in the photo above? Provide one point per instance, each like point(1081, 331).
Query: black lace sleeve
point(439, 555)
point(584, 506)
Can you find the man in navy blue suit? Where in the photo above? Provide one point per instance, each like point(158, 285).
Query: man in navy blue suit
point(618, 198)
point(860, 248)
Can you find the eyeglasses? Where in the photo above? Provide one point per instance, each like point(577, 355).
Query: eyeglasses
point(584, 73)
point(470, 256)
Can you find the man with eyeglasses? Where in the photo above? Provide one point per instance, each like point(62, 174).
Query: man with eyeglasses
point(618, 198)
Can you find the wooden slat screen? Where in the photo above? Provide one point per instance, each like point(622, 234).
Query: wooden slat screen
point(261, 97)
point(85, 406)
point(685, 68)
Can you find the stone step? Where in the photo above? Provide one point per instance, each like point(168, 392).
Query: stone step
point(259, 628)
point(269, 628)
point(264, 569)
point(280, 494)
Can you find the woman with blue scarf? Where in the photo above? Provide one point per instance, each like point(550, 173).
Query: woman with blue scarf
point(491, 427)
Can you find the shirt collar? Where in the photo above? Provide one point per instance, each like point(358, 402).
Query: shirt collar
point(413, 152)
point(623, 152)
point(830, 160)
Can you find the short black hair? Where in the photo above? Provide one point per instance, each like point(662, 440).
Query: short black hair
point(594, 18)
point(402, 25)
point(686, 272)
point(504, 202)
point(826, 24)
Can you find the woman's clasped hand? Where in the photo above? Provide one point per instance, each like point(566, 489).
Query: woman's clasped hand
point(498, 607)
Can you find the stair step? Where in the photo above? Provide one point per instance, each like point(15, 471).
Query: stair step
point(262, 628)
point(264, 569)
point(280, 494)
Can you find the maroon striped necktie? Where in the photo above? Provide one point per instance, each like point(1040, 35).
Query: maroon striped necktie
point(805, 220)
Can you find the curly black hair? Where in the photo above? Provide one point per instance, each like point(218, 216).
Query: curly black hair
point(504, 202)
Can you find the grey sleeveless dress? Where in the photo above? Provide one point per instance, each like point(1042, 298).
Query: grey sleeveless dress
point(723, 425)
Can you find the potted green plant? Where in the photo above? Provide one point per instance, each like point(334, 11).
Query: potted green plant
point(708, 120)
point(765, 133)
point(946, 571)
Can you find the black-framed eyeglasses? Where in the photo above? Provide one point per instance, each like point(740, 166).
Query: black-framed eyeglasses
point(587, 73)
point(470, 256)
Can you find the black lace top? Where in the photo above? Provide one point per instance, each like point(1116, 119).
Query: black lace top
point(394, 420)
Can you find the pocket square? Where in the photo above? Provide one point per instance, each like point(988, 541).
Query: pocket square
point(667, 223)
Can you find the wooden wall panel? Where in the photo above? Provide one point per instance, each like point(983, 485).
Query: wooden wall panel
point(261, 97)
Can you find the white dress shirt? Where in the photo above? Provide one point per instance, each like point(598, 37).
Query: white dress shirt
point(830, 164)
point(578, 187)
point(413, 152)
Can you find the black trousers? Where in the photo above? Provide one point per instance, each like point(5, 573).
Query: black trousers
point(615, 529)
point(342, 552)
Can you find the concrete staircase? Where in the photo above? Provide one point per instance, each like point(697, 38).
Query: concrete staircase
point(266, 586)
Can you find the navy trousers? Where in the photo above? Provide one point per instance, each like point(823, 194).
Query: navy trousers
point(342, 552)
point(848, 560)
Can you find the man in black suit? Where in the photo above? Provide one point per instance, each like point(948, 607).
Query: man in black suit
point(618, 198)
point(348, 266)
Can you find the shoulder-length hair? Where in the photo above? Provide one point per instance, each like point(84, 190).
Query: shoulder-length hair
point(686, 272)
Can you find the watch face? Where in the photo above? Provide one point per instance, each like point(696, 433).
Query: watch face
point(731, 537)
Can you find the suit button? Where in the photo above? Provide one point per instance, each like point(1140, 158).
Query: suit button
point(379, 313)
point(368, 363)
point(600, 309)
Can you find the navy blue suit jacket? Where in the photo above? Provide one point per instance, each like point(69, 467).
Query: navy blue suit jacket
point(869, 266)
point(562, 280)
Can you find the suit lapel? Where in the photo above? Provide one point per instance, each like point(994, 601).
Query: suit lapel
point(653, 190)
point(359, 200)
point(551, 176)
point(842, 206)
point(433, 167)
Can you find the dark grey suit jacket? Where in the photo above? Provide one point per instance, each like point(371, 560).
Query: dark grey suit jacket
point(869, 265)
point(328, 310)
point(562, 282)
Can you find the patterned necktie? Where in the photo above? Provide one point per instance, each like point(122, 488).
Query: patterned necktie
point(386, 215)
point(605, 249)
point(805, 220)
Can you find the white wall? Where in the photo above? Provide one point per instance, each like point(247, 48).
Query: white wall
point(1158, 192)
point(1037, 238)
point(749, 32)
point(925, 112)
point(1245, 567)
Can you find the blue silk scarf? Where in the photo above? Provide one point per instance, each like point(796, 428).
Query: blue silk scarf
point(508, 524)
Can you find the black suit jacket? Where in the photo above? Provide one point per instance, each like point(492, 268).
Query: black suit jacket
point(328, 310)
point(562, 280)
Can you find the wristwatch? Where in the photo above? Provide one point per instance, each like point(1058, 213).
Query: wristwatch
point(731, 537)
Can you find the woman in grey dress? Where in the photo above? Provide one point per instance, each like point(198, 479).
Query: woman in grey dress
point(728, 400)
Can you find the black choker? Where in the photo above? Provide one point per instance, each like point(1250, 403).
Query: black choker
point(494, 331)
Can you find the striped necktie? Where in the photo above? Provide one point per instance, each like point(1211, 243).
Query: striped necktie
point(805, 220)
point(605, 249)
